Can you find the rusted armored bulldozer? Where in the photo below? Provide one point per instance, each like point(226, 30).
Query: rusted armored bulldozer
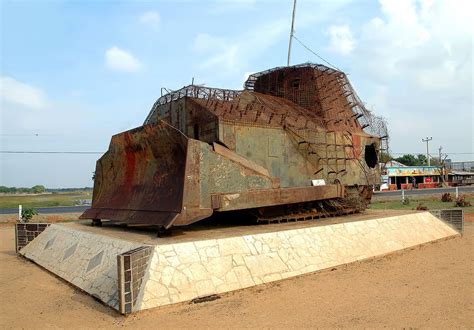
point(296, 143)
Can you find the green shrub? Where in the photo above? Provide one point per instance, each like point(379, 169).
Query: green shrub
point(27, 214)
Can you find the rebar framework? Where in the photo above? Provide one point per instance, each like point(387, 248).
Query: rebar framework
point(312, 102)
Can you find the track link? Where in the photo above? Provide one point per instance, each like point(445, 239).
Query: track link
point(305, 216)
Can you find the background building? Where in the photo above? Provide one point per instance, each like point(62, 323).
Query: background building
point(409, 177)
point(460, 166)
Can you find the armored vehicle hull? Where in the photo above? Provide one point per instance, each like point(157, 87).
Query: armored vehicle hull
point(294, 144)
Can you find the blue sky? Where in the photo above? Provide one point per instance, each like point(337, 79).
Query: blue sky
point(76, 72)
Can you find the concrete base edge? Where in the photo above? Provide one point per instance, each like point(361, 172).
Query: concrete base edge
point(130, 276)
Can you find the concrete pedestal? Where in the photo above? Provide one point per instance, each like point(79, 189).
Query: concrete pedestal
point(133, 270)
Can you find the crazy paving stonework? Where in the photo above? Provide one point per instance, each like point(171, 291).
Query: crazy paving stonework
point(131, 276)
point(89, 261)
point(180, 272)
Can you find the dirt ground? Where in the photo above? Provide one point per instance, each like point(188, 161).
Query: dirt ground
point(429, 286)
point(8, 219)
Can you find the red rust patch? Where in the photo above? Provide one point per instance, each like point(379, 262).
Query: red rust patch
point(356, 149)
point(131, 161)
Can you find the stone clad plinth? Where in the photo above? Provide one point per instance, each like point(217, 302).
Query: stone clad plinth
point(175, 270)
point(86, 260)
point(183, 271)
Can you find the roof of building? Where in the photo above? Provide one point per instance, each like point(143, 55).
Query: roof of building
point(461, 173)
point(394, 163)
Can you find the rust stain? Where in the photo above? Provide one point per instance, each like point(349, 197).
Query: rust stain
point(131, 161)
point(356, 146)
point(288, 126)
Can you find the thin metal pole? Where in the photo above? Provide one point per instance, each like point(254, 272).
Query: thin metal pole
point(427, 140)
point(291, 33)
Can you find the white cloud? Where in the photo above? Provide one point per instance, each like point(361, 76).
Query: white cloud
point(223, 52)
point(234, 6)
point(26, 109)
point(17, 93)
point(415, 64)
point(231, 55)
point(204, 43)
point(121, 60)
point(150, 18)
point(414, 36)
point(341, 40)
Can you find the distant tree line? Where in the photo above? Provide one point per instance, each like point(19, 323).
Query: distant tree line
point(38, 189)
point(58, 190)
point(411, 160)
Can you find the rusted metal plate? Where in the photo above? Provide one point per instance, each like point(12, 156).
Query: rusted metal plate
point(161, 219)
point(205, 149)
point(239, 159)
point(141, 177)
point(271, 197)
point(194, 208)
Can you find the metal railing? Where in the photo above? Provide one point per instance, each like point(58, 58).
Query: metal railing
point(195, 91)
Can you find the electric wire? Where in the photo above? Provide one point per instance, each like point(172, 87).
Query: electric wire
point(51, 152)
point(101, 152)
point(314, 53)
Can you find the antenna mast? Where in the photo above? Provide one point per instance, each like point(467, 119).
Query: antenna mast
point(291, 33)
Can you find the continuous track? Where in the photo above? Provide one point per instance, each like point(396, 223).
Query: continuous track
point(305, 216)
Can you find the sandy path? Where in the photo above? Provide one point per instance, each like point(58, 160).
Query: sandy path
point(431, 286)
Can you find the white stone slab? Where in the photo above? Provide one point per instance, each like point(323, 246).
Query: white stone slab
point(89, 261)
point(183, 271)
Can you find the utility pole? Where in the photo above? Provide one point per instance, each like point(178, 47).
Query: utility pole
point(427, 140)
point(291, 33)
point(441, 164)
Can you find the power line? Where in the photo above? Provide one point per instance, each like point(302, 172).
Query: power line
point(101, 152)
point(450, 153)
point(312, 51)
point(35, 134)
point(51, 152)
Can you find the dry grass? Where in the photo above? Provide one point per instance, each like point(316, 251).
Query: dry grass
point(431, 202)
point(10, 201)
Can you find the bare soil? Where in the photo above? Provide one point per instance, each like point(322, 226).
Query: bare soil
point(8, 219)
point(428, 286)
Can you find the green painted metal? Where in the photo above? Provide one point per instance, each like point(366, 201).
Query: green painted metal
point(206, 150)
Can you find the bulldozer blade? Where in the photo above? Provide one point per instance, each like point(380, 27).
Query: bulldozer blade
point(140, 178)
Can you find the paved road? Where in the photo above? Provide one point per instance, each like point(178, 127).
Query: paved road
point(377, 194)
point(462, 190)
point(43, 210)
